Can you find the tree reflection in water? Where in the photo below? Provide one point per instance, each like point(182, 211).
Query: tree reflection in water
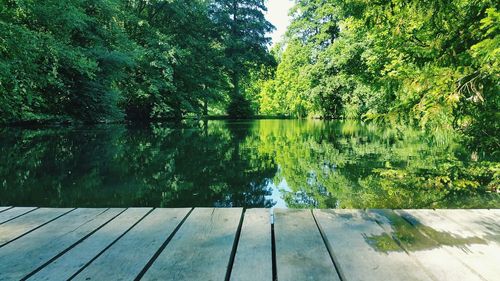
point(220, 163)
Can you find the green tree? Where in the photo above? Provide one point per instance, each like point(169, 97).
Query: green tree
point(432, 65)
point(99, 60)
point(242, 28)
point(61, 60)
point(180, 67)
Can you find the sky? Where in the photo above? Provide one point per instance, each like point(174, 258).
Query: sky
point(277, 14)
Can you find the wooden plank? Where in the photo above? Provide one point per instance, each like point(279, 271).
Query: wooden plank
point(363, 250)
point(300, 251)
point(490, 217)
point(14, 213)
point(254, 248)
point(22, 225)
point(72, 261)
point(494, 215)
point(466, 240)
point(4, 208)
point(429, 253)
point(480, 221)
point(201, 249)
point(28, 253)
point(125, 259)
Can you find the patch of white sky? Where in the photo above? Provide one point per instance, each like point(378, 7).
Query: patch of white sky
point(277, 14)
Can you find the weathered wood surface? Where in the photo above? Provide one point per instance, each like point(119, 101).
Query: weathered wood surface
point(72, 261)
point(493, 214)
point(127, 257)
point(28, 253)
point(30, 221)
point(471, 245)
point(487, 221)
point(352, 234)
point(254, 248)
point(201, 249)
point(300, 251)
point(12, 213)
point(438, 262)
point(227, 244)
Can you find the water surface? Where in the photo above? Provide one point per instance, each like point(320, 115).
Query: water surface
point(264, 163)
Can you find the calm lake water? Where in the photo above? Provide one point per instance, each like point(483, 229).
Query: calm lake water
point(264, 163)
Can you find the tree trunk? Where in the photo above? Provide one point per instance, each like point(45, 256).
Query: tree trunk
point(177, 111)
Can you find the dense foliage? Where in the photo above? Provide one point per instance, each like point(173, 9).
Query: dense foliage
point(429, 63)
point(95, 60)
point(432, 64)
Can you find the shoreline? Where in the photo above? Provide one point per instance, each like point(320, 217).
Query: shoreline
point(69, 122)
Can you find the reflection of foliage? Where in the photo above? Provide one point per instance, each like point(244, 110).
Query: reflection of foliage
point(324, 164)
point(348, 165)
point(157, 166)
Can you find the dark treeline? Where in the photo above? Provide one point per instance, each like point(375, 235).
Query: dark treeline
point(97, 60)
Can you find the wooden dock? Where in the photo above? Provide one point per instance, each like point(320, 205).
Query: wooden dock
point(233, 244)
